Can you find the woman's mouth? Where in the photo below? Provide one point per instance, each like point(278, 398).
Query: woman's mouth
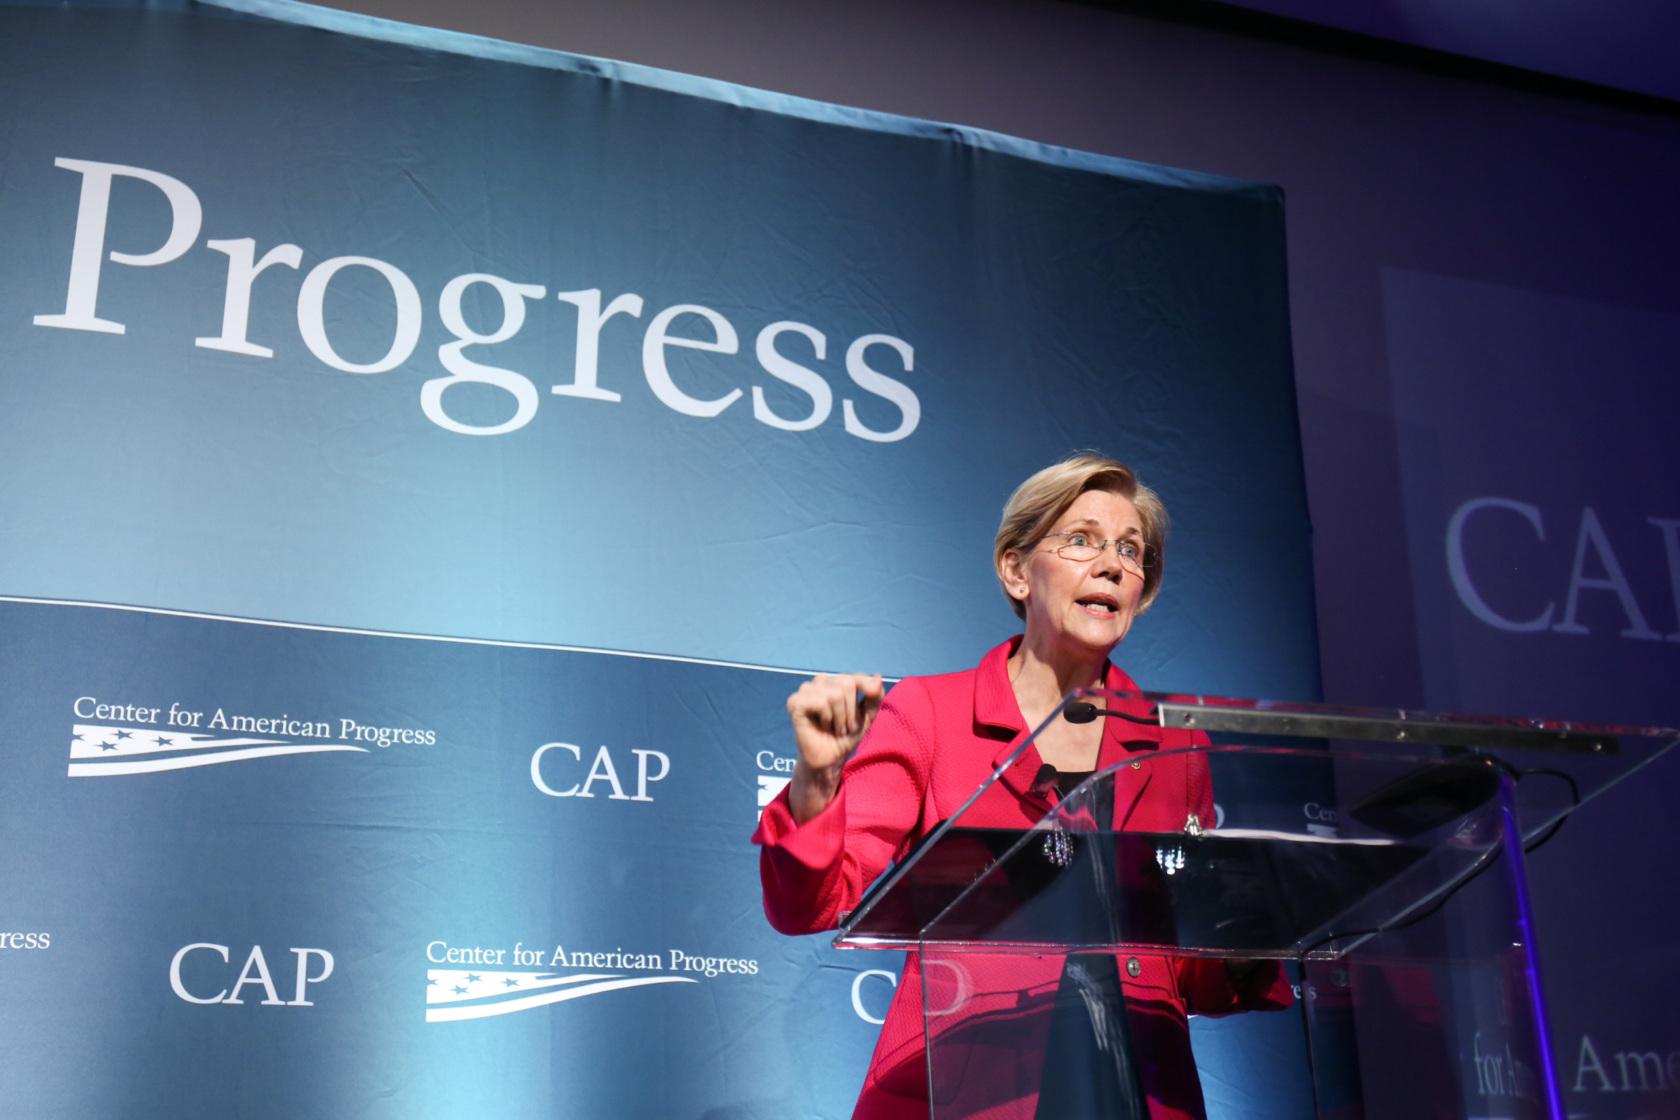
point(1101, 606)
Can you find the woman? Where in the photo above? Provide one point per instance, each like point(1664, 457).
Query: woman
point(1079, 556)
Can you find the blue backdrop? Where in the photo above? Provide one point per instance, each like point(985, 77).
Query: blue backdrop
point(536, 404)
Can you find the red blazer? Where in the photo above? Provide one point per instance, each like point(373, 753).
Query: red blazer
point(935, 740)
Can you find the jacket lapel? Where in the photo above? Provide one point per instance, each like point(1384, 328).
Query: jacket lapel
point(997, 715)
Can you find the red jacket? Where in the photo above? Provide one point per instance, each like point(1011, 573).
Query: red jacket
point(935, 740)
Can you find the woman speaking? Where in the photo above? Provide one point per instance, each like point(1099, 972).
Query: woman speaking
point(1079, 556)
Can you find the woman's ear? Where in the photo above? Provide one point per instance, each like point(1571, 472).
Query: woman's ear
point(1013, 570)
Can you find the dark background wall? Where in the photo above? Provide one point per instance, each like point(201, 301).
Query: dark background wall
point(1627, 44)
point(1405, 173)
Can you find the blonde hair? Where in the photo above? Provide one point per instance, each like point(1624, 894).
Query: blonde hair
point(1041, 500)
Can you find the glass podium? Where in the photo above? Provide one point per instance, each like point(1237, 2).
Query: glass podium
point(1370, 860)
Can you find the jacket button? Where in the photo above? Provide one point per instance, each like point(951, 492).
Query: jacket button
point(1137, 766)
point(1133, 967)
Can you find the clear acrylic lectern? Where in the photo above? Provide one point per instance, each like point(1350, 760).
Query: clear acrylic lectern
point(1375, 856)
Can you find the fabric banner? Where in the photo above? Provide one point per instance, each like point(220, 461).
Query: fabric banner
point(1544, 536)
point(346, 874)
point(425, 460)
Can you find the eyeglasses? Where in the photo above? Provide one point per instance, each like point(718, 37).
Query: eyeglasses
point(1082, 547)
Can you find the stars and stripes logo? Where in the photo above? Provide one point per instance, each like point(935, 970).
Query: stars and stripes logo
point(454, 994)
point(769, 785)
point(110, 750)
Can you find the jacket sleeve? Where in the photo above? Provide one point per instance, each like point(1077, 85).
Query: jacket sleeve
point(816, 872)
point(1205, 983)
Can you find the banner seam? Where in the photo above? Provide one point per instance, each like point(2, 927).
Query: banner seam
point(322, 628)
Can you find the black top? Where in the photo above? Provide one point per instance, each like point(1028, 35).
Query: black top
point(1066, 783)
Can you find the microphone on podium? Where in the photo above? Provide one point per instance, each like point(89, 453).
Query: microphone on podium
point(1083, 711)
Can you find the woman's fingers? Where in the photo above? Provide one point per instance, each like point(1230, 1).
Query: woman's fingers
point(833, 700)
point(830, 704)
point(813, 702)
point(873, 691)
point(839, 713)
point(830, 715)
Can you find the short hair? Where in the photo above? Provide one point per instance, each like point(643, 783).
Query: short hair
point(1041, 500)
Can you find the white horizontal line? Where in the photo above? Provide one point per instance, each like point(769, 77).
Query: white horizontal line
point(398, 634)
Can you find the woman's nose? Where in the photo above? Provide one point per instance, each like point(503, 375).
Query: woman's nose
point(1108, 560)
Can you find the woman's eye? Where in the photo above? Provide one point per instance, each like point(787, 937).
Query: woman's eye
point(1078, 538)
point(1127, 548)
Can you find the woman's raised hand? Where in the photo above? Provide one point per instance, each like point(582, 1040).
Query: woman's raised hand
point(830, 715)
